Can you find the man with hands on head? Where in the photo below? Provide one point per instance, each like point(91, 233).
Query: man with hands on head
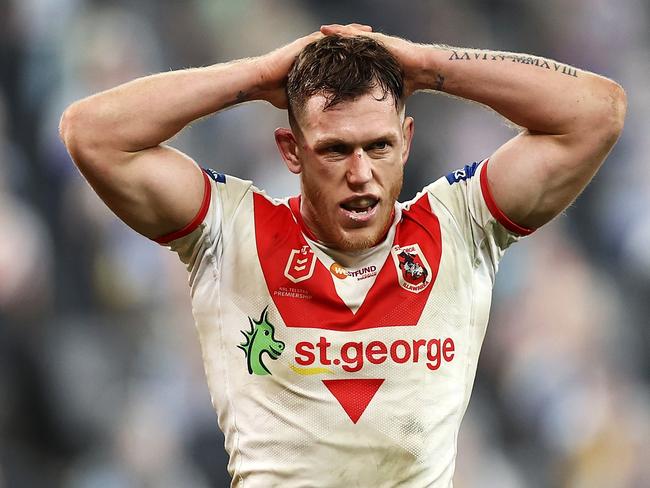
point(341, 329)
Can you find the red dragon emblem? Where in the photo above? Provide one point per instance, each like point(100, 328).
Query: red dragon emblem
point(412, 267)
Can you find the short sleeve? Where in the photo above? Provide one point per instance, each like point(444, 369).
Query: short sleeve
point(202, 238)
point(466, 195)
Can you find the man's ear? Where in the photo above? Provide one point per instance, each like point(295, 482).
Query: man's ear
point(408, 126)
point(288, 147)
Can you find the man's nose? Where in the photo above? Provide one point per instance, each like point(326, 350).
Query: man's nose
point(359, 168)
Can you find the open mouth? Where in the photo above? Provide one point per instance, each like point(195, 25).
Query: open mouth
point(360, 206)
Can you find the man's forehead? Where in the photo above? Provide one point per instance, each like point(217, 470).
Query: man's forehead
point(365, 113)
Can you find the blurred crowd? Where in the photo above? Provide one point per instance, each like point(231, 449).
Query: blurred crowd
point(101, 381)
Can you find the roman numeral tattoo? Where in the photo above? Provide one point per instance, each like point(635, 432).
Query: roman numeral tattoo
point(514, 58)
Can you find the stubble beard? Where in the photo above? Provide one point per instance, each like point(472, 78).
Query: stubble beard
point(328, 231)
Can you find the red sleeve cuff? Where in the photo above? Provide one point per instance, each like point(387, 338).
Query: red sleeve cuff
point(495, 210)
point(198, 218)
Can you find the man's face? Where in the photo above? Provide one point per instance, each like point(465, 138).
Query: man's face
point(351, 159)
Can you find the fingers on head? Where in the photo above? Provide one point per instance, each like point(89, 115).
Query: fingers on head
point(362, 27)
point(330, 29)
point(349, 29)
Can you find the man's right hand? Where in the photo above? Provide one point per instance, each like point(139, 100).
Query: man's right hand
point(407, 53)
point(274, 67)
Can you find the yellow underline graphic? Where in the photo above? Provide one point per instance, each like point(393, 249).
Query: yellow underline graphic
point(308, 371)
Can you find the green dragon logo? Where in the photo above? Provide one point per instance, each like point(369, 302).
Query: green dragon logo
point(260, 339)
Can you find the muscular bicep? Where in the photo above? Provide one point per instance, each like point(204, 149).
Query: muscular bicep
point(533, 177)
point(154, 191)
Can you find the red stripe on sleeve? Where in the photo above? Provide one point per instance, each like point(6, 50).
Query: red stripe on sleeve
point(495, 210)
point(198, 218)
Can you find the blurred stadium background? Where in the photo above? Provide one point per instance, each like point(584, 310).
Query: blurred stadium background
point(101, 381)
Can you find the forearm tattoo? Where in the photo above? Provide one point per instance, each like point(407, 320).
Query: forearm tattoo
point(440, 81)
point(241, 97)
point(457, 55)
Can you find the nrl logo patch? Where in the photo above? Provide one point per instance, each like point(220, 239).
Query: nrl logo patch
point(300, 265)
point(413, 270)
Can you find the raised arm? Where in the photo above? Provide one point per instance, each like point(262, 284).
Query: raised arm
point(571, 118)
point(116, 137)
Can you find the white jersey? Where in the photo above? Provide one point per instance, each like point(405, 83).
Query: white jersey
point(329, 369)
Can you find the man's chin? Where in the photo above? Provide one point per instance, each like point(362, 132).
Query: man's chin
point(358, 239)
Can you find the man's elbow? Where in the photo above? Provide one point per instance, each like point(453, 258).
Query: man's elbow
point(619, 108)
point(68, 124)
point(611, 116)
point(76, 132)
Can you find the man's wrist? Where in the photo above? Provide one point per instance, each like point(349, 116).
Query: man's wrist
point(429, 74)
point(248, 82)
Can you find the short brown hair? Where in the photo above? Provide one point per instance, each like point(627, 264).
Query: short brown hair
point(342, 69)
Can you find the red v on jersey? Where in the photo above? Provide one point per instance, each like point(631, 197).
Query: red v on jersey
point(354, 394)
point(313, 302)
